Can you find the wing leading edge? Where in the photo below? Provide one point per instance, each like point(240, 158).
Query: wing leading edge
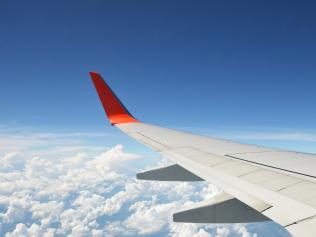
point(274, 184)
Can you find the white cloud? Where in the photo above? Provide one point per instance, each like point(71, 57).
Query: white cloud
point(94, 194)
point(21, 230)
point(26, 140)
point(188, 230)
point(149, 216)
point(242, 230)
point(222, 232)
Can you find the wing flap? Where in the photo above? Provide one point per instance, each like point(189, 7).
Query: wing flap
point(169, 173)
point(222, 208)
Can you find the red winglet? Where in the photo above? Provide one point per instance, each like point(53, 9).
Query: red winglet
point(114, 109)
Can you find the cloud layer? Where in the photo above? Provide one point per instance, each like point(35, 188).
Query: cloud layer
point(96, 194)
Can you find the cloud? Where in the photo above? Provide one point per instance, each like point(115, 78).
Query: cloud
point(188, 230)
point(95, 194)
point(149, 216)
point(21, 230)
point(242, 230)
point(28, 140)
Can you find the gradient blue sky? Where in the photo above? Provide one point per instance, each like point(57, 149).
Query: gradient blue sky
point(199, 65)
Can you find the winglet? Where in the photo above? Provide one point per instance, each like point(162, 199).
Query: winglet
point(113, 107)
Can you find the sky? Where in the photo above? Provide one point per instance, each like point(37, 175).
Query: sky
point(241, 70)
point(211, 65)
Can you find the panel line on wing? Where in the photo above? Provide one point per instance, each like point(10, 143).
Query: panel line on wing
point(153, 140)
point(281, 189)
point(300, 221)
point(270, 166)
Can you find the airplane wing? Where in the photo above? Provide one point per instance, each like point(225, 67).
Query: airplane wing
point(258, 183)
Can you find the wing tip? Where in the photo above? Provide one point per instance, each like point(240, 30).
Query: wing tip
point(92, 73)
point(113, 107)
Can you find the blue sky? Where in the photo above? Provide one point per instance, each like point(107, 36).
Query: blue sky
point(176, 63)
point(243, 70)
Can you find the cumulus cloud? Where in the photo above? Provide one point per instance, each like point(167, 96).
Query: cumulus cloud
point(188, 230)
point(95, 194)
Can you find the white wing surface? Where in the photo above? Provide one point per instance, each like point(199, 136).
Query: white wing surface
point(258, 183)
